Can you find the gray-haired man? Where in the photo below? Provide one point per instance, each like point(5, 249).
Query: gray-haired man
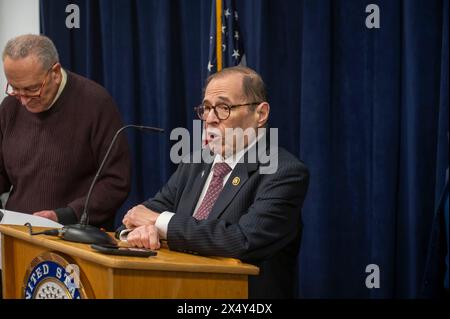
point(55, 127)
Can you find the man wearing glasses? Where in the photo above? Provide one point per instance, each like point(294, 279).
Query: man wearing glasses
point(228, 207)
point(55, 128)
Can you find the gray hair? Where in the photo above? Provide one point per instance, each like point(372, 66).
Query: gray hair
point(39, 46)
point(253, 85)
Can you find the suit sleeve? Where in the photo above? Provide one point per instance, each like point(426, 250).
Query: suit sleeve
point(269, 224)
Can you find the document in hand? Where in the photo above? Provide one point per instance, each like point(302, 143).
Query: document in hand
point(16, 218)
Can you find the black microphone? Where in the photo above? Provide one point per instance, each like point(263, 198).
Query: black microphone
point(83, 232)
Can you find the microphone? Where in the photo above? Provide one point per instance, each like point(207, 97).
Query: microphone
point(83, 232)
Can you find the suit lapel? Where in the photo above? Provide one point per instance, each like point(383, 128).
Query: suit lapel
point(237, 179)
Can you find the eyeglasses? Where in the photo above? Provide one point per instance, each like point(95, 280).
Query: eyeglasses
point(222, 110)
point(28, 93)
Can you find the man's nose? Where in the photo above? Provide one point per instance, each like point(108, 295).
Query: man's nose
point(212, 117)
point(24, 100)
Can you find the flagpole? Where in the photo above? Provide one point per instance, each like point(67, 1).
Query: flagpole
point(219, 34)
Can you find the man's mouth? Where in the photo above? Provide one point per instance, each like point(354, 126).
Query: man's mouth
point(212, 135)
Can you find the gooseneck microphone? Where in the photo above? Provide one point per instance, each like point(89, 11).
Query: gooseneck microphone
point(83, 232)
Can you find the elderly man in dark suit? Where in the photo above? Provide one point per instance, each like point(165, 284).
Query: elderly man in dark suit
point(231, 207)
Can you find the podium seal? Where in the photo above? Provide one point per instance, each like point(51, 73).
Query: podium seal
point(51, 276)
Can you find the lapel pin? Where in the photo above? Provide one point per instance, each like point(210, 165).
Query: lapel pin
point(236, 181)
point(203, 173)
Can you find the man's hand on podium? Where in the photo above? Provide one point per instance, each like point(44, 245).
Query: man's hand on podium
point(49, 214)
point(144, 236)
point(139, 216)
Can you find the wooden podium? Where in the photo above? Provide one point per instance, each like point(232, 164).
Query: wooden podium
point(170, 274)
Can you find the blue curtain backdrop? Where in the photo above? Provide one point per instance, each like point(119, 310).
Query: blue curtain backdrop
point(366, 109)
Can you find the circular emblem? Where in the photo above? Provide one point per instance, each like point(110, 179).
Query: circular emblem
point(50, 276)
point(236, 181)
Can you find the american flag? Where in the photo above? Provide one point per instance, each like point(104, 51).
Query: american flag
point(226, 35)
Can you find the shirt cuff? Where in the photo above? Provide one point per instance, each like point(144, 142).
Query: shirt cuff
point(66, 216)
point(124, 234)
point(162, 223)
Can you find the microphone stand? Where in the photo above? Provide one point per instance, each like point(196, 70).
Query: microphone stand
point(83, 232)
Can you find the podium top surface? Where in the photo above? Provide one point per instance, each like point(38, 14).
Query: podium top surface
point(165, 260)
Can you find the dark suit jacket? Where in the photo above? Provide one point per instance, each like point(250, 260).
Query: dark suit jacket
point(257, 221)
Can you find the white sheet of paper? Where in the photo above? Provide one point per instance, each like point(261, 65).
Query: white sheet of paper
point(16, 218)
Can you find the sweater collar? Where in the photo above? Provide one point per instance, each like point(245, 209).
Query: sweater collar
point(61, 87)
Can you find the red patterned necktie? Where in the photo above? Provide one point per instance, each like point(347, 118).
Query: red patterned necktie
point(220, 170)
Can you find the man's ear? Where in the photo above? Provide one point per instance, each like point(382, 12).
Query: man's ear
point(262, 112)
point(56, 73)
